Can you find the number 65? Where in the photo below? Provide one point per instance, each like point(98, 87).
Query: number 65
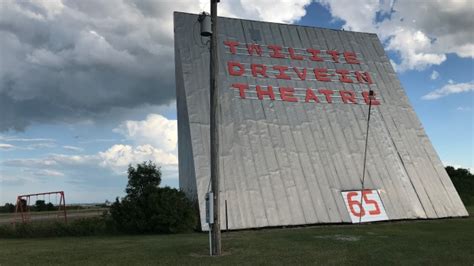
point(350, 199)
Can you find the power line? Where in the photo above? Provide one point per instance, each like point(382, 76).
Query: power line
point(371, 94)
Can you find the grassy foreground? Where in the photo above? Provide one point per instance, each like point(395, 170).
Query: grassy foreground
point(439, 242)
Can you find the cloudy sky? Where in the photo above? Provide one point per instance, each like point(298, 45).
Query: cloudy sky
point(87, 86)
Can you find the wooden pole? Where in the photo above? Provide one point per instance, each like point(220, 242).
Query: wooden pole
point(214, 102)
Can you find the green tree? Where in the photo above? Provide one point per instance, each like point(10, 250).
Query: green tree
point(147, 208)
point(8, 207)
point(463, 181)
point(40, 206)
point(50, 207)
point(142, 180)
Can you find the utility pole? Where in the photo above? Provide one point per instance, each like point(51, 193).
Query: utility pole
point(214, 102)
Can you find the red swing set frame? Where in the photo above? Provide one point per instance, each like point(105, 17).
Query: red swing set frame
point(22, 208)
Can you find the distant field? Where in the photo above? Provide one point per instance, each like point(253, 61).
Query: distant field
point(435, 242)
point(6, 218)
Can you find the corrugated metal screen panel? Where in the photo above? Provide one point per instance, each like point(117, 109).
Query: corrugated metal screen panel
point(286, 163)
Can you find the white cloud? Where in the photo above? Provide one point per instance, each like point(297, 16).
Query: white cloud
point(26, 143)
point(119, 156)
point(466, 50)
point(151, 139)
point(413, 48)
point(156, 130)
point(154, 138)
point(267, 10)
point(5, 146)
point(48, 173)
point(14, 139)
point(113, 161)
point(37, 146)
point(72, 160)
point(421, 32)
point(464, 108)
point(434, 75)
point(50, 161)
point(451, 88)
point(92, 49)
point(73, 148)
point(98, 140)
point(359, 15)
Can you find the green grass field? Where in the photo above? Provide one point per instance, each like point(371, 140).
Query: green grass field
point(7, 218)
point(438, 242)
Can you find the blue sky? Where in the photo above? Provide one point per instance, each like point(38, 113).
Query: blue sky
point(84, 90)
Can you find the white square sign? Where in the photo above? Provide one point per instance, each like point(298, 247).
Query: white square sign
point(364, 207)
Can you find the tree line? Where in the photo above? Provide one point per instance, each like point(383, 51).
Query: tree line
point(39, 206)
point(463, 181)
point(150, 208)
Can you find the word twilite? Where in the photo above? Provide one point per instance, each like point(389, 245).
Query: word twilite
point(288, 72)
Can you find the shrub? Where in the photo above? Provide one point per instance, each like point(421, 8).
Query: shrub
point(173, 211)
point(147, 208)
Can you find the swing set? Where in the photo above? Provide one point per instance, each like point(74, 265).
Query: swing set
point(23, 203)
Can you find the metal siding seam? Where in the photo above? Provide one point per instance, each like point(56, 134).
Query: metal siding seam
point(373, 65)
point(376, 179)
point(255, 146)
point(327, 199)
point(321, 208)
point(378, 158)
point(349, 182)
point(414, 175)
point(240, 208)
point(395, 137)
point(330, 176)
point(245, 106)
point(298, 215)
point(270, 156)
point(295, 134)
point(282, 204)
point(401, 190)
point(459, 209)
point(287, 110)
point(262, 135)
